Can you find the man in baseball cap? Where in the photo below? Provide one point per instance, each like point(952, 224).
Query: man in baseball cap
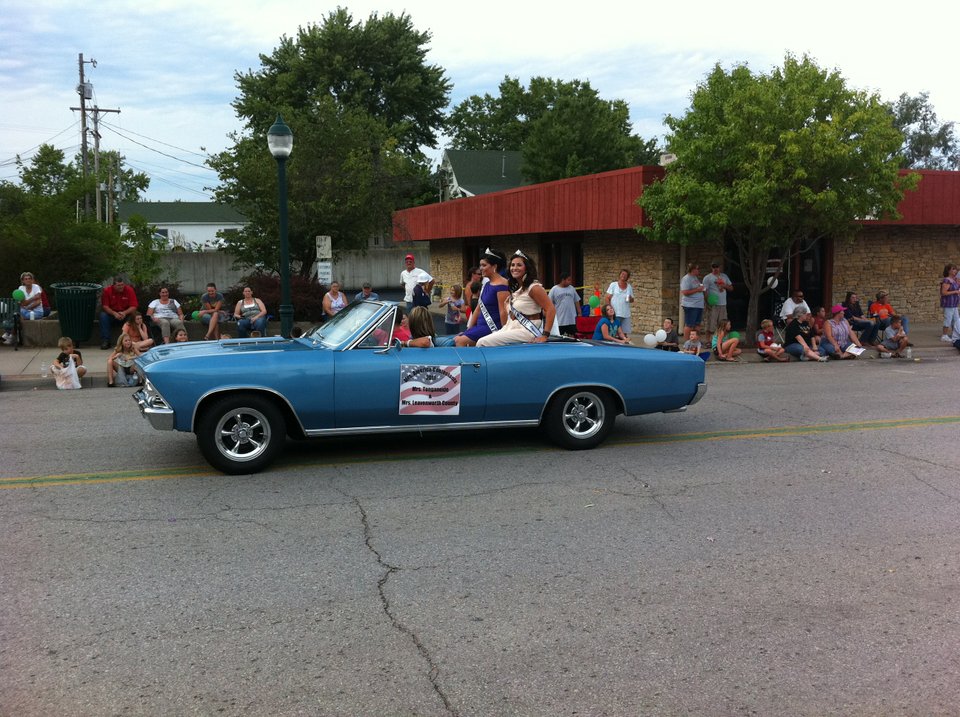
point(410, 277)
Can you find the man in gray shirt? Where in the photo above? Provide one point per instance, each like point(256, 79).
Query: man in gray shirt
point(691, 299)
point(717, 285)
point(567, 301)
point(366, 292)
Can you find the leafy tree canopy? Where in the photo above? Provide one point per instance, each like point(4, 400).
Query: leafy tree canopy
point(361, 101)
point(927, 144)
point(378, 68)
point(563, 129)
point(40, 229)
point(766, 160)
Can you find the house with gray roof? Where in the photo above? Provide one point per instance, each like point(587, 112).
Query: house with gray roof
point(189, 226)
point(469, 173)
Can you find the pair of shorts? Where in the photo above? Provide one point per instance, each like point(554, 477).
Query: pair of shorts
point(950, 316)
point(715, 314)
point(692, 316)
point(625, 324)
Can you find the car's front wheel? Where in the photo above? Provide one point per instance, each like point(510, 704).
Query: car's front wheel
point(580, 418)
point(241, 434)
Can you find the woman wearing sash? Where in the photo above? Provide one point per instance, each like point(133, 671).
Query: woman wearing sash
point(491, 310)
point(531, 311)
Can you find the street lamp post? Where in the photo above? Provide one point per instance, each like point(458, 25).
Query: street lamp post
point(280, 142)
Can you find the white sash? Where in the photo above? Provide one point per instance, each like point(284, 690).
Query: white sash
point(485, 313)
point(526, 323)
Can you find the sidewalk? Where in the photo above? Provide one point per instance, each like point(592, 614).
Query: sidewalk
point(20, 370)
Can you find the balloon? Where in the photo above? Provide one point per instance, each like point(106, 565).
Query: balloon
point(596, 311)
point(594, 302)
point(772, 282)
point(196, 315)
point(712, 299)
point(661, 335)
point(650, 340)
point(733, 335)
point(19, 295)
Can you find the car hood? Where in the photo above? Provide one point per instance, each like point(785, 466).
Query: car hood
point(193, 349)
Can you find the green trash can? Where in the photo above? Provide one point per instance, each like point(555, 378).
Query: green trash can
point(76, 306)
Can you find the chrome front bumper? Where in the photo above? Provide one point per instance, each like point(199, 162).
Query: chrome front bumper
point(154, 408)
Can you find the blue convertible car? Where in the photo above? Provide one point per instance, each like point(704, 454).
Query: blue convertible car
point(243, 398)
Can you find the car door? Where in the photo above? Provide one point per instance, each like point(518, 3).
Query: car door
point(407, 387)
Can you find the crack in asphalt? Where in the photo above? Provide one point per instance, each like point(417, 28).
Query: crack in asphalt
point(388, 570)
point(654, 495)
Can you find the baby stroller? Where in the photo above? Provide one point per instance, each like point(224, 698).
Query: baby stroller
point(10, 319)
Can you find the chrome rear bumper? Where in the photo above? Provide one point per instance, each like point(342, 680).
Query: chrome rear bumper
point(701, 390)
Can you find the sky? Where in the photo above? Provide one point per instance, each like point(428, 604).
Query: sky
point(169, 66)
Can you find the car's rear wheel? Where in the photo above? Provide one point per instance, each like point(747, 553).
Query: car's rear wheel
point(241, 433)
point(580, 418)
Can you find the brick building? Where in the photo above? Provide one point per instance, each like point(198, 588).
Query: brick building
point(586, 225)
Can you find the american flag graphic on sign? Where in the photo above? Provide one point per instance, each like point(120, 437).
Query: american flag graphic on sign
point(433, 390)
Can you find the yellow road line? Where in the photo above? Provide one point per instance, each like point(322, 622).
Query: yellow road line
point(67, 479)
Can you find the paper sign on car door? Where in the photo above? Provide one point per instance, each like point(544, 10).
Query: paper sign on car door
point(433, 390)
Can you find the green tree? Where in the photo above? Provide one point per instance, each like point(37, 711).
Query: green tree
point(767, 160)
point(927, 144)
point(47, 173)
point(489, 122)
point(361, 101)
point(40, 230)
point(143, 250)
point(564, 129)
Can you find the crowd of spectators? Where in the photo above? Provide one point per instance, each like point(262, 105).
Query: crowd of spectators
point(504, 302)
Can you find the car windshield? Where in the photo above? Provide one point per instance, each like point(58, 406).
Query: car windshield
point(344, 325)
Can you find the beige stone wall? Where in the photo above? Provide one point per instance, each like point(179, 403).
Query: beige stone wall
point(446, 263)
point(655, 273)
point(908, 262)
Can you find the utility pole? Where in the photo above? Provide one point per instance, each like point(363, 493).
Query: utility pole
point(85, 90)
point(96, 154)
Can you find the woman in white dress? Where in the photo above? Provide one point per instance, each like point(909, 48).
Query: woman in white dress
point(531, 312)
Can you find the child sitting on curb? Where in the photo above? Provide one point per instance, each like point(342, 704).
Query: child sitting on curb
point(895, 339)
point(68, 367)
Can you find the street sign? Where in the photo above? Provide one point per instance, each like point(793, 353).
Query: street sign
point(324, 249)
point(324, 272)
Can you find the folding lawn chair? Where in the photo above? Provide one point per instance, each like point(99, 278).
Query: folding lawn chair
point(586, 325)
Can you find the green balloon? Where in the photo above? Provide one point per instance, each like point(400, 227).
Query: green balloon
point(19, 295)
point(196, 315)
point(733, 335)
point(594, 302)
point(712, 299)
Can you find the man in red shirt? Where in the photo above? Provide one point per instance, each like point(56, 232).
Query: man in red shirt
point(117, 303)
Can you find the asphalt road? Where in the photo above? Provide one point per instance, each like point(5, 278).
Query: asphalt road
point(788, 546)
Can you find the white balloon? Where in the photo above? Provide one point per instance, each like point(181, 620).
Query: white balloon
point(661, 335)
point(650, 340)
point(772, 282)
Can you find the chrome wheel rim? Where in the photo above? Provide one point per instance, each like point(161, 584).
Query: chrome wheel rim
point(583, 415)
point(242, 434)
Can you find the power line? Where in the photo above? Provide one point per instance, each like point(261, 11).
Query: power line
point(13, 160)
point(172, 146)
point(164, 154)
point(161, 179)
